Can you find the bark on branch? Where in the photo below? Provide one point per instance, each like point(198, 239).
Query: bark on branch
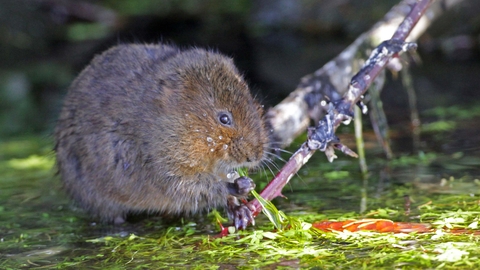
point(292, 116)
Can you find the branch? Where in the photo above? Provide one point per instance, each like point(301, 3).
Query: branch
point(323, 136)
point(292, 116)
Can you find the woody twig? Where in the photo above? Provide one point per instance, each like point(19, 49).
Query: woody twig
point(322, 137)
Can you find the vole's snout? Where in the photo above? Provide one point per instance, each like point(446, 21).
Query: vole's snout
point(247, 151)
point(255, 155)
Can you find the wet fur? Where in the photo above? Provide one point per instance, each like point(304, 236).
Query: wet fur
point(139, 131)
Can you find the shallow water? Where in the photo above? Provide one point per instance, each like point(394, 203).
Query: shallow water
point(40, 228)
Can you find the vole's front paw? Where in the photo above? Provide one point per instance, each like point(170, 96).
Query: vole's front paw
point(241, 214)
point(241, 186)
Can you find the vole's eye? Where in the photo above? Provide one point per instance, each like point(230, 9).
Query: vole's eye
point(225, 118)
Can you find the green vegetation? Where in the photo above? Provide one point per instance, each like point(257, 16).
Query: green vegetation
point(302, 246)
point(40, 229)
point(447, 117)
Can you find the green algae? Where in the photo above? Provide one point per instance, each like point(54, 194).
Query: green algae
point(41, 229)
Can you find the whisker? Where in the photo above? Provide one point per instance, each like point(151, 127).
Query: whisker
point(268, 167)
point(271, 162)
point(264, 170)
point(280, 150)
point(274, 143)
point(277, 157)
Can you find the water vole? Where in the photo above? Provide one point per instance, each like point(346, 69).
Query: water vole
point(158, 129)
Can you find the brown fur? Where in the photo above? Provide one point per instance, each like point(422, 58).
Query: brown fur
point(139, 131)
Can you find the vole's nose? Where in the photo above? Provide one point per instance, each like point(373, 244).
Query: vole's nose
point(246, 151)
point(255, 155)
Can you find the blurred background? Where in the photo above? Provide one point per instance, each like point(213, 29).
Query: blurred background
point(44, 44)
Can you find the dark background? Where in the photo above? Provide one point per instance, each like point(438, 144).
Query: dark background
point(44, 44)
